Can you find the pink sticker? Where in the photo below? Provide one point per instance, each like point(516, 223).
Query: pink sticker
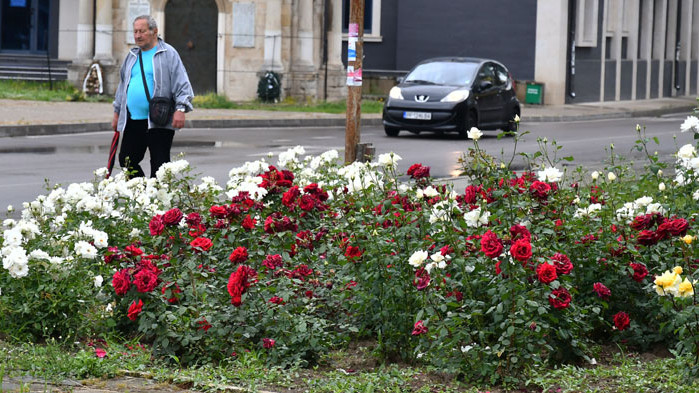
point(353, 30)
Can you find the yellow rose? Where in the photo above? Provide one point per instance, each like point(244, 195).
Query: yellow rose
point(687, 239)
point(685, 289)
point(677, 270)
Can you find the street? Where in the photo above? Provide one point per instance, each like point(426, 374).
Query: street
point(26, 162)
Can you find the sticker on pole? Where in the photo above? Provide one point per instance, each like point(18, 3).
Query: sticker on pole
point(352, 49)
point(353, 30)
point(358, 77)
point(350, 75)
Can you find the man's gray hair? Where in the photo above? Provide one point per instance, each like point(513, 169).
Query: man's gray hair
point(152, 24)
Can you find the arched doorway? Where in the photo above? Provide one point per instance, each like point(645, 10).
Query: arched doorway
point(191, 27)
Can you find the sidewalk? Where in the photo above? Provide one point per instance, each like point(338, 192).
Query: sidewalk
point(22, 118)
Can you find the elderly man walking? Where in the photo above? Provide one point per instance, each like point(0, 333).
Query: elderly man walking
point(154, 69)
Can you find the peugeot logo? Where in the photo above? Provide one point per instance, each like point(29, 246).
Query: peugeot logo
point(422, 98)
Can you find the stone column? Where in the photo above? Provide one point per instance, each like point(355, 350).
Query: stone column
point(103, 38)
point(551, 49)
point(305, 33)
point(335, 34)
point(273, 36)
point(84, 36)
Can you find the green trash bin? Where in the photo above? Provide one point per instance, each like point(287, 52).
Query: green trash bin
point(534, 93)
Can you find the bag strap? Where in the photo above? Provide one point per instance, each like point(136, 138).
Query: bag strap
point(143, 76)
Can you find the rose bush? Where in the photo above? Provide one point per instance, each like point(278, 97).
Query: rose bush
point(300, 256)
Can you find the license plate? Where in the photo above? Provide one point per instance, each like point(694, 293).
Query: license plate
point(417, 115)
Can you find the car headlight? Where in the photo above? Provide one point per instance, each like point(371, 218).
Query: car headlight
point(456, 96)
point(396, 93)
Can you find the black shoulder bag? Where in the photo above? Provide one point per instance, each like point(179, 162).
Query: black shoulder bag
point(160, 109)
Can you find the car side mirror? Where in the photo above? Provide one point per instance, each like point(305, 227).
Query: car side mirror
point(400, 79)
point(485, 85)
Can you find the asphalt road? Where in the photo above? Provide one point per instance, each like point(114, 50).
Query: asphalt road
point(27, 163)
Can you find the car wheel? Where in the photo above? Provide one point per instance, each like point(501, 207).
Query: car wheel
point(511, 125)
point(391, 131)
point(470, 120)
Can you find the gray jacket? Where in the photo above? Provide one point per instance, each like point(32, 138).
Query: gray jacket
point(170, 79)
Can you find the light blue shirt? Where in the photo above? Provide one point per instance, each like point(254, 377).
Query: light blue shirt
point(136, 99)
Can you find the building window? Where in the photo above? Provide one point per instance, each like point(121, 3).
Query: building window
point(372, 19)
point(586, 23)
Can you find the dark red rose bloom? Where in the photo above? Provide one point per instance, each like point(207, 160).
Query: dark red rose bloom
point(419, 328)
point(446, 250)
point(196, 230)
point(307, 202)
point(218, 211)
point(145, 280)
point(498, 270)
point(248, 223)
point(174, 291)
point(276, 300)
point(601, 290)
point(156, 225)
point(418, 171)
point(121, 281)
point(290, 196)
point(560, 298)
point(647, 237)
point(276, 222)
point(268, 343)
point(546, 273)
point(472, 193)
point(133, 251)
point(238, 282)
point(562, 263)
point(422, 279)
point(521, 250)
point(352, 252)
point(201, 244)
point(239, 255)
point(300, 272)
point(678, 227)
point(458, 295)
point(621, 320)
point(540, 190)
point(639, 271)
point(204, 325)
point(272, 262)
point(491, 245)
point(172, 217)
point(112, 254)
point(193, 219)
point(135, 309)
point(520, 232)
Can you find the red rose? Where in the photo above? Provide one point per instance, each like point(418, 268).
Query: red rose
point(562, 263)
point(419, 328)
point(422, 279)
point(204, 325)
point(276, 300)
point(472, 193)
point(201, 243)
point(135, 309)
point(272, 262)
point(145, 280)
point(353, 252)
point(601, 290)
point(678, 227)
point(268, 343)
point(174, 290)
point(639, 271)
point(546, 273)
point(249, 223)
point(521, 250)
point(560, 298)
point(307, 202)
point(290, 196)
point(491, 245)
point(133, 251)
point(540, 190)
point(621, 320)
point(519, 232)
point(121, 281)
point(172, 217)
point(418, 171)
point(239, 255)
point(193, 219)
point(218, 211)
point(238, 282)
point(498, 270)
point(647, 237)
point(156, 225)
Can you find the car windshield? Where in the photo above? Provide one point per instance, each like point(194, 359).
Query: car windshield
point(443, 73)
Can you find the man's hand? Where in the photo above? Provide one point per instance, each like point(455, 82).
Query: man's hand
point(178, 119)
point(115, 121)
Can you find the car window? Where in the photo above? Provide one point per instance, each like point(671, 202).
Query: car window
point(500, 75)
point(443, 73)
point(487, 73)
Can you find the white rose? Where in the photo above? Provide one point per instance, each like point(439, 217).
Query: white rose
point(611, 176)
point(661, 187)
point(98, 281)
point(474, 133)
point(594, 175)
point(550, 175)
point(418, 258)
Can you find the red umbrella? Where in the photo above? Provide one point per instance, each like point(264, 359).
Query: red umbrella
point(112, 153)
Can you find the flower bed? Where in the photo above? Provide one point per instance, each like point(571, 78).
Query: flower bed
point(294, 258)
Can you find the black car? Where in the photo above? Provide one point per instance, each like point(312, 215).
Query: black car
point(452, 94)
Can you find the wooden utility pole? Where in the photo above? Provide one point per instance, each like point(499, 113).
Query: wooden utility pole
point(354, 79)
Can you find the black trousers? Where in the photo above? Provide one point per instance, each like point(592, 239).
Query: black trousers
point(136, 139)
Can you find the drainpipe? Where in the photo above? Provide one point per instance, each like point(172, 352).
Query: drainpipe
point(325, 48)
point(678, 36)
point(572, 15)
point(94, 28)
